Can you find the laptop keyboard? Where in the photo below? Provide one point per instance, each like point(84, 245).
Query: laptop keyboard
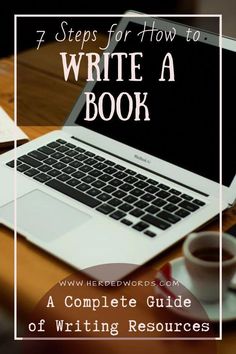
point(123, 194)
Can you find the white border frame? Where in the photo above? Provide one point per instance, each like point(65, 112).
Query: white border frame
point(128, 14)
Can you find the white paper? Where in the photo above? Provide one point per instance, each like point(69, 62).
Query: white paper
point(8, 131)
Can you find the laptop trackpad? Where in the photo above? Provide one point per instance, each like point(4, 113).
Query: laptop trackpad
point(42, 216)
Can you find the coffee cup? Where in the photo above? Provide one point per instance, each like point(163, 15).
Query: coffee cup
point(202, 260)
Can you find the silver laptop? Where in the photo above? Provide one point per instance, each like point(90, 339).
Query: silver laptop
point(119, 192)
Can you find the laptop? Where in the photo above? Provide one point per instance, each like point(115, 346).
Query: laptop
point(108, 195)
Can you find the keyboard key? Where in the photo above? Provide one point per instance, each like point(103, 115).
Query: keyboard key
point(117, 215)
point(130, 179)
point(130, 172)
point(130, 199)
point(137, 192)
point(108, 189)
point(115, 182)
point(73, 193)
point(98, 184)
point(78, 174)
point(42, 177)
point(198, 202)
point(69, 170)
point(46, 150)
point(89, 153)
point(175, 191)
point(119, 167)
point(151, 189)
point(31, 172)
point(126, 222)
point(53, 145)
point(100, 166)
point(59, 165)
point(163, 186)
point(105, 209)
point(85, 168)
point(141, 204)
point(93, 192)
point(104, 197)
point(83, 187)
point(71, 153)
point(50, 161)
point(126, 187)
point(37, 155)
point(79, 149)
point(119, 194)
point(140, 226)
point(71, 146)
point(61, 141)
point(170, 207)
point(148, 197)
point(88, 179)
point(95, 173)
point(110, 170)
point(105, 178)
point(141, 184)
point(45, 168)
point(150, 233)
point(188, 205)
point(125, 207)
point(54, 173)
point(90, 162)
point(62, 148)
point(80, 157)
point(30, 161)
point(76, 164)
point(137, 212)
point(23, 168)
point(168, 217)
point(152, 209)
point(120, 175)
point(108, 162)
point(182, 213)
point(57, 155)
point(163, 194)
point(99, 158)
point(186, 197)
point(142, 177)
point(152, 181)
point(173, 199)
point(73, 182)
point(115, 202)
point(159, 202)
point(156, 221)
point(12, 163)
point(66, 159)
point(63, 177)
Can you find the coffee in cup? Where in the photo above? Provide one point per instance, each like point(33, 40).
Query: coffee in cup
point(202, 259)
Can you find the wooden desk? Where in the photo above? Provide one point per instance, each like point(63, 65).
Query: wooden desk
point(38, 271)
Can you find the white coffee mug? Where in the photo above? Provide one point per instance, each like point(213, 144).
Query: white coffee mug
point(201, 254)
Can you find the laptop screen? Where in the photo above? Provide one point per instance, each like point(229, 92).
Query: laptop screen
point(184, 114)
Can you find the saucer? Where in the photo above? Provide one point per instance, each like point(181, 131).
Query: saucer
point(178, 271)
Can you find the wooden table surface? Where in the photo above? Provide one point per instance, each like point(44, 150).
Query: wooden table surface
point(43, 94)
